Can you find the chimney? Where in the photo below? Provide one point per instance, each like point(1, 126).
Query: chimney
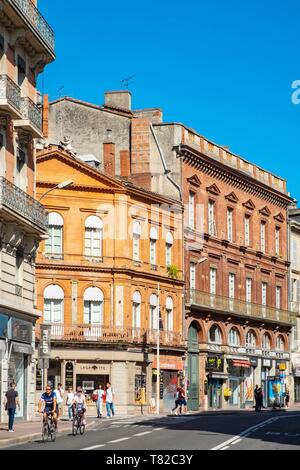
point(140, 152)
point(118, 99)
point(109, 164)
point(125, 163)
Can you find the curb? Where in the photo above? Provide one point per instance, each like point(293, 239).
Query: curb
point(31, 437)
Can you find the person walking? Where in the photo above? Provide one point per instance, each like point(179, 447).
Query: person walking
point(256, 397)
point(70, 398)
point(99, 393)
point(174, 410)
point(11, 403)
point(287, 397)
point(59, 392)
point(260, 399)
point(109, 400)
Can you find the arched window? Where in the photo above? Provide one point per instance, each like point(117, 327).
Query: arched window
point(169, 245)
point(215, 335)
point(136, 310)
point(93, 237)
point(153, 241)
point(170, 315)
point(280, 343)
point(266, 342)
point(251, 339)
point(93, 306)
point(136, 236)
point(53, 245)
point(153, 312)
point(234, 337)
point(53, 304)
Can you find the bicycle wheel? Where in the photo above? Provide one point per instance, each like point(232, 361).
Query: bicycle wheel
point(52, 433)
point(75, 426)
point(45, 432)
point(82, 429)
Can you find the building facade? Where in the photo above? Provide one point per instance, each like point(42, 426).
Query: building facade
point(26, 46)
point(110, 275)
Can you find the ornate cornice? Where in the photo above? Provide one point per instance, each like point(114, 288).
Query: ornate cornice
point(265, 211)
point(232, 197)
point(213, 189)
point(195, 181)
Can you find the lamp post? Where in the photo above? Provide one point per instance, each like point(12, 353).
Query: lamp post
point(157, 359)
point(63, 185)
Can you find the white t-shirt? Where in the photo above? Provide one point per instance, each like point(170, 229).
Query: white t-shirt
point(70, 398)
point(79, 399)
point(59, 395)
point(100, 394)
point(109, 395)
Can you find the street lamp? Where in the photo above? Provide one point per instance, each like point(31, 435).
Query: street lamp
point(63, 185)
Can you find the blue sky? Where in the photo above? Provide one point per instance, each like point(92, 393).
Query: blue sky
point(223, 68)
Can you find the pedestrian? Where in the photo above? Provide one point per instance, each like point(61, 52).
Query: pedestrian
point(98, 398)
point(182, 401)
point(256, 397)
point(109, 400)
point(287, 397)
point(11, 402)
point(174, 410)
point(260, 399)
point(70, 398)
point(59, 392)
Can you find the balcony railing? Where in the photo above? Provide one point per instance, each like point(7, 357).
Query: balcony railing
point(106, 334)
point(31, 112)
point(225, 305)
point(37, 21)
point(24, 205)
point(10, 93)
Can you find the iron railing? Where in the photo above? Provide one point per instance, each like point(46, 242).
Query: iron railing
point(31, 112)
point(37, 21)
point(238, 307)
point(26, 206)
point(10, 91)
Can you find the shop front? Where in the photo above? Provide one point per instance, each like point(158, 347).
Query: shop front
point(171, 370)
point(296, 376)
point(266, 367)
point(215, 380)
point(240, 382)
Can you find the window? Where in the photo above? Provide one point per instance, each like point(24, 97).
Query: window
point(277, 241)
point(264, 287)
point(280, 343)
point(266, 342)
point(263, 236)
point(93, 237)
point(169, 310)
point(20, 164)
point(230, 225)
point(248, 289)
point(193, 276)
point(136, 310)
point(21, 70)
point(247, 230)
point(215, 335)
point(54, 242)
point(294, 253)
point(211, 218)
point(231, 285)
point(19, 266)
point(153, 240)
point(278, 297)
point(169, 245)
point(1, 45)
point(53, 304)
point(93, 306)
point(153, 320)
point(213, 281)
point(191, 209)
point(234, 337)
point(136, 241)
point(250, 339)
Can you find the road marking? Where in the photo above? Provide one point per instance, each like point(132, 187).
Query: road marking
point(115, 426)
point(93, 447)
point(229, 441)
point(143, 433)
point(224, 448)
point(158, 429)
point(119, 440)
point(235, 442)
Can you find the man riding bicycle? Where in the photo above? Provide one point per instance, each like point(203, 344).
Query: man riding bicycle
point(79, 404)
point(49, 400)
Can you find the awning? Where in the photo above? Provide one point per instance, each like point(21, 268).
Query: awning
point(23, 349)
point(240, 363)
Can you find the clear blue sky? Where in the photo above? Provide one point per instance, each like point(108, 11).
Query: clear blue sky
point(224, 68)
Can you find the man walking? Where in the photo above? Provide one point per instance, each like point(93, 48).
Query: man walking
point(256, 397)
point(11, 403)
point(59, 392)
point(109, 400)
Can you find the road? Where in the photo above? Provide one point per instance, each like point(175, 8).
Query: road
point(269, 430)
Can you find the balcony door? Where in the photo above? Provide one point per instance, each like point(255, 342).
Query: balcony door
point(93, 312)
point(193, 369)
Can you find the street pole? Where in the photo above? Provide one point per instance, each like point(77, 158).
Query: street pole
point(157, 360)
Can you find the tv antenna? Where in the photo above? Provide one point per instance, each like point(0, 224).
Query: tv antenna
point(126, 81)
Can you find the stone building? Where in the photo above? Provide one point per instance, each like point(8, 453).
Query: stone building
point(26, 46)
point(112, 265)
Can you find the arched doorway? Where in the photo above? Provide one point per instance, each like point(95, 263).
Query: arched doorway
point(193, 368)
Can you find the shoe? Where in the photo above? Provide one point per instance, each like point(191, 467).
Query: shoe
point(11, 430)
point(176, 413)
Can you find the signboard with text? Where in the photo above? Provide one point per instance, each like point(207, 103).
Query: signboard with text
point(45, 343)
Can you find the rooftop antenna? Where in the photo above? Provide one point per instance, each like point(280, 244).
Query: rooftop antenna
point(125, 81)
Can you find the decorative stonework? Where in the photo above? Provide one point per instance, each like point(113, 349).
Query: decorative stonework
point(232, 197)
point(249, 205)
point(195, 181)
point(279, 217)
point(265, 211)
point(213, 189)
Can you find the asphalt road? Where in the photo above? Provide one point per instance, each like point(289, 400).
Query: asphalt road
point(274, 430)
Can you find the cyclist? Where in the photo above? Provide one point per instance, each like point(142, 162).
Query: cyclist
point(49, 399)
point(79, 404)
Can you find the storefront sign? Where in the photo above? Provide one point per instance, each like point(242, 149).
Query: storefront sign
point(23, 349)
point(45, 344)
point(96, 369)
point(267, 363)
point(215, 363)
point(253, 361)
point(172, 364)
point(69, 375)
point(280, 365)
point(21, 330)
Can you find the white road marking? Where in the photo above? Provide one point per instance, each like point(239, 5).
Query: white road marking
point(235, 442)
point(158, 429)
point(119, 440)
point(142, 433)
point(94, 447)
point(224, 448)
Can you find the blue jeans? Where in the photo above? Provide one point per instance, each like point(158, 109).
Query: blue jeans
point(11, 418)
point(99, 407)
point(70, 411)
point(110, 406)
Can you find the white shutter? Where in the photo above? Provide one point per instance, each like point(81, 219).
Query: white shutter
point(247, 230)
point(213, 276)
point(191, 210)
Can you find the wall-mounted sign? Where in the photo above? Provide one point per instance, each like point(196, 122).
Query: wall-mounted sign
point(215, 363)
point(267, 363)
point(45, 343)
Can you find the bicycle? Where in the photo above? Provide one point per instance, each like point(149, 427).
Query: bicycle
point(78, 424)
point(48, 429)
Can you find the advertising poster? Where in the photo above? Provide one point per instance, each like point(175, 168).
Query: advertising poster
point(275, 391)
point(248, 385)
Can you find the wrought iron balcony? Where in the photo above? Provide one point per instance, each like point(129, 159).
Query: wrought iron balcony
point(36, 21)
point(31, 118)
point(10, 97)
point(107, 334)
point(215, 303)
point(17, 201)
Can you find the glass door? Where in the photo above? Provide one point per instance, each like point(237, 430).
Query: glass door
point(16, 373)
point(234, 385)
